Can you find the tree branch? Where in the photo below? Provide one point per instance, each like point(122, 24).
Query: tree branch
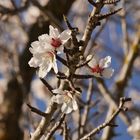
point(37, 111)
point(108, 122)
point(55, 127)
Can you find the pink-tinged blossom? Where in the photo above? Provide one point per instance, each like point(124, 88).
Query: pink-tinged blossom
point(43, 58)
point(67, 99)
point(44, 49)
point(101, 67)
point(55, 39)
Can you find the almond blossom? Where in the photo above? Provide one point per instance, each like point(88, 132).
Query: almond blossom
point(55, 39)
point(43, 58)
point(67, 99)
point(44, 49)
point(101, 67)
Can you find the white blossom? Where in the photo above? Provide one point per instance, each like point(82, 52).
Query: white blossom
point(67, 99)
point(55, 39)
point(43, 58)
point(134, 128)
point(101, 67)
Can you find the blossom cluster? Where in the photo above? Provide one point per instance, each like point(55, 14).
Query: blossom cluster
point(44, 50)
point(44, 57)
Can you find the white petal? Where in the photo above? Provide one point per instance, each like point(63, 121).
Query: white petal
point(44, 37)
point(69, 94)
point(44, 69)
point(59, 91)
point(53, 32)
point(65, 35)
point(35, 44)
point(38, 47)
point(54, 65)
point(33, 62)
point(41, 73)
point(66, 109)
point(108, 72)
point(58, 99)
point(74, 104)
point(105, 62)
point(92, 62)
point(45, 46)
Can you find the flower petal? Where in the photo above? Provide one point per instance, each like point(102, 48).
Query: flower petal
point(69, 94)
point(44, 69)
point(65, 35)
point(66, 109)
point(44, 37)
point(35, 46)
point(58, 99)
point(45, 46)
point(74, 105)
point(59, 91)
point(54, 65)
point(33, 62)
point(53, 32)
point(93, 62)
point(41, 73)
point(105, 62)
point(108, 72)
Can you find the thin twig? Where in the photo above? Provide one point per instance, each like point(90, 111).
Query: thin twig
point(83, 63)
point(108, 122)
point(47, 85)
point(80, 76)
point(65, 131)
point(87, 107)
point(40, 130)
point(62, 60)
point(126, 70)
point(37, 111)
point(124, 30)
point(73, 31)
point(55, 127)
point(110, 100)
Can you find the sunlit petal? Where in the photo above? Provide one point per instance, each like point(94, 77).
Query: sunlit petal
point(107, 73)
point(65, 35)
point(105, 62)
point(66, 109)
point(53, 32)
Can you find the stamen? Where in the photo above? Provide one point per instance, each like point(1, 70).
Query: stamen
point(67, 98)
point(56, 42)
point(97, 69)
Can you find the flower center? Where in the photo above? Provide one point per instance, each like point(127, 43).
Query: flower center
point(97, 69)
point(56, 42)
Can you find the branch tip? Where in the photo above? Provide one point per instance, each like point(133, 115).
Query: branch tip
point(92, 3)
point(111, 1)
point(103, 16)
